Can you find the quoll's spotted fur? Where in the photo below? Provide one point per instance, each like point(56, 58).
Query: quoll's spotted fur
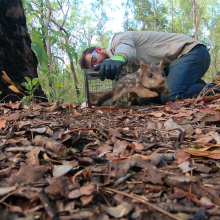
point(138, 84)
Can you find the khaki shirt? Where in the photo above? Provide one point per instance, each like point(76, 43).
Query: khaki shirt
point(150, 46)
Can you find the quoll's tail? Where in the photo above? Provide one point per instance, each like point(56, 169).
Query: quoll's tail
point(105, 98)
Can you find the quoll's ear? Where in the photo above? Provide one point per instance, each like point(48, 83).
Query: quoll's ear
point(161, 64)
point(143, 65)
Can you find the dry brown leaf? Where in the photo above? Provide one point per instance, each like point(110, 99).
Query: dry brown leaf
point(211, 119)
point(170, 125)
point(14, 88)
point(114, 132)
point(205, 152)
point(81, 215)
point(208, 110)
point(155, 158)
point(84, 190)
point(204, 139)
point(118, 211)
point(28, 174)
point(111, 156)
point(16, 105)
point(181, 115)
point(139, 155)
point(77, 174)
point(14, 116)
point(138, 146)
point(119, 198)
point(60, 187)
point(152, 125)
point(6, 190)
point(185, 167)
point(104, 148)
point(199, 116)
point(14, 208)
point(86, 200)
point(124, 165)
point(61, 170)
point(198, 131)
point(2, 123)
point(182, 156)
point(206, 201)
point(50, 144)
point(173, 105)
point(201, 168)
point(56, 107)
point(135, 133)
point(77, 113)
point(156, 114)
point(215, 135)
point(210, 98)
point(120, 146)
point(8, 80)
point(155, 178)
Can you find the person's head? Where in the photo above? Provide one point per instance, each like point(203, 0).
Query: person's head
point(92, 56)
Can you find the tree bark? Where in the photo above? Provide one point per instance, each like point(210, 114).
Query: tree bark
point(155, 16)
point(172, 13)
point(48, 41)
point(195, 23)
point(16, 56)
point(43, 32)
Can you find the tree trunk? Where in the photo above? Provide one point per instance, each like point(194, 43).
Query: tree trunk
point(48, 41)
point(155, 17)
point(74, 76)
point(195, 23)
point(16, 56)
point(43, 32)
point(172, 13)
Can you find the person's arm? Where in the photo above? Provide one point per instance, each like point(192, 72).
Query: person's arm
point(123, 45)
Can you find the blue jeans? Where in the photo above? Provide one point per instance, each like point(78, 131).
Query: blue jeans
point(182, 75)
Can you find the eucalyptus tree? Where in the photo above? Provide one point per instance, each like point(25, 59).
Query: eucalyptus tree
point(211, 27)
point(148, 15)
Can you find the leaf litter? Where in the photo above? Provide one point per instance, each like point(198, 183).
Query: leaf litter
point(68, 162)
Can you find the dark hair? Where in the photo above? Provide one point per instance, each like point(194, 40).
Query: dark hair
point(82, 60)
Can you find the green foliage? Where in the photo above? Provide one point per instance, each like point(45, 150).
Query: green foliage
point(30, 86)
point(27, 4)
point(38, 47)
point(146, 17)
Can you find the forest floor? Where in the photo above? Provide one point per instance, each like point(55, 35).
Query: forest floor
point(149, 162)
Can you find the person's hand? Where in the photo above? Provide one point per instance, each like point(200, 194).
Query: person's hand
point(111, 68)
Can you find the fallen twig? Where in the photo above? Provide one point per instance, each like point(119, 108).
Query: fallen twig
point(178, 208)
point(143, 200)
point(196, 189)
point(78, 129)
point(45, 201)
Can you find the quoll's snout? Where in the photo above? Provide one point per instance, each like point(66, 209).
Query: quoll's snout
point(162, 81)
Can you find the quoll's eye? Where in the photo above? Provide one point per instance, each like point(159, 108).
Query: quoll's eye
point(151, 75)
